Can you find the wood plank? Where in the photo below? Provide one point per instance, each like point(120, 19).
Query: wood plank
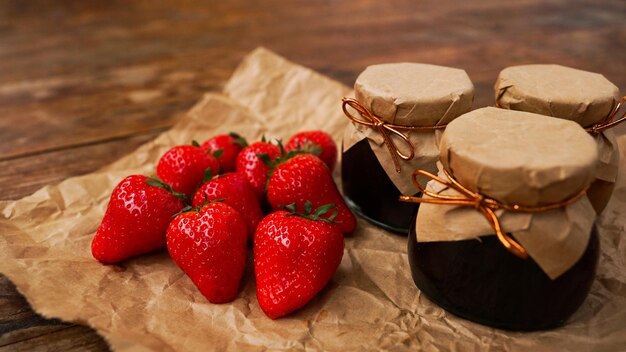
point(12, 305)
point(22, 176)
point(71, 338)
point(143, 65)
point(21, 329)
point(83, 83)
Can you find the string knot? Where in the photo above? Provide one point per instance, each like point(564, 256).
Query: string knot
point(485, 205)
point(610, 120)
point(479, 200)
point(386, 130)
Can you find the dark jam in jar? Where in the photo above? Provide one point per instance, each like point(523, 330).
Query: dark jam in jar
point(480, 280)
point(371, 193)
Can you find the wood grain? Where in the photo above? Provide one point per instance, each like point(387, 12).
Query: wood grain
point(83, 83)
point(53, 166)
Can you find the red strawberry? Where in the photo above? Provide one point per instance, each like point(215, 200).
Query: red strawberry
point(236, 192)
point(255, 170)
point(230, 146)
point(311, 140)
point(136, 219)
point(306, 177)
point(210, 247)
point(184, 168)
point(294, 258)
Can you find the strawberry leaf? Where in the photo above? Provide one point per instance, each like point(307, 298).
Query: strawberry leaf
point(279, 143)
point(317, 216)
point(156, 182)
point(185, 209)
point(207, 201)
point(291, 154)
point(332, 216)
point(208, 175)
point(265, 159)
point(195, 143)
point(284, 156)
point(323, 210)
point(309, 148)
point(291, 208)
point(218, 153)
point(239, 140)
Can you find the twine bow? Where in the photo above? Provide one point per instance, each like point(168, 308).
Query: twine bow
point(386, 130)
point(487, 206)
point(609, 121)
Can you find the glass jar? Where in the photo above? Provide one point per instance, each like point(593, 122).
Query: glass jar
point(532, 187)
point(586, 98)
point(481, 281)
point(397, 117)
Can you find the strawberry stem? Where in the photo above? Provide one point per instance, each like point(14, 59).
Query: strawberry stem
point(207, 201)
point(313, 215)
point(310, 148)
point(189, 208)
point(284, 155)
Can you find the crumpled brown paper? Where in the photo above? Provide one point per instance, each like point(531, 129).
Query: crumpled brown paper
point(148, 304)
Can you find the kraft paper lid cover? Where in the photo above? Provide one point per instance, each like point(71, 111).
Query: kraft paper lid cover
point(558, 91)
point(412, 94)
point(519, 157)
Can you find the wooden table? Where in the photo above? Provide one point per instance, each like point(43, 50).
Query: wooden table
point(84, 83)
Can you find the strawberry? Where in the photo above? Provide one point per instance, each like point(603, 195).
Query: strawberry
point(136, 219)
point(303, 178)
point(295, 255)
point(312, 140)
point(184, 168)
point(209, 245)
point(230, 146)
point(255, 170)
point(235, 191)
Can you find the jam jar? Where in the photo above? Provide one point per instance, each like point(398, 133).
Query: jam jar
point(505, 233)
point(584, 97)
point(397, 117)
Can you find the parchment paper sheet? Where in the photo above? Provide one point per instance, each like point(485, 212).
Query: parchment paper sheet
point(371, 303)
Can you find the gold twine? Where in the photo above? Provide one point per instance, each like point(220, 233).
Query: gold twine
point(487, 206)
point(386, 130)
point(609, 121)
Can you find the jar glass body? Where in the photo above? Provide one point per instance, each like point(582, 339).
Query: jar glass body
point(481, 281)
point(371, 193)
